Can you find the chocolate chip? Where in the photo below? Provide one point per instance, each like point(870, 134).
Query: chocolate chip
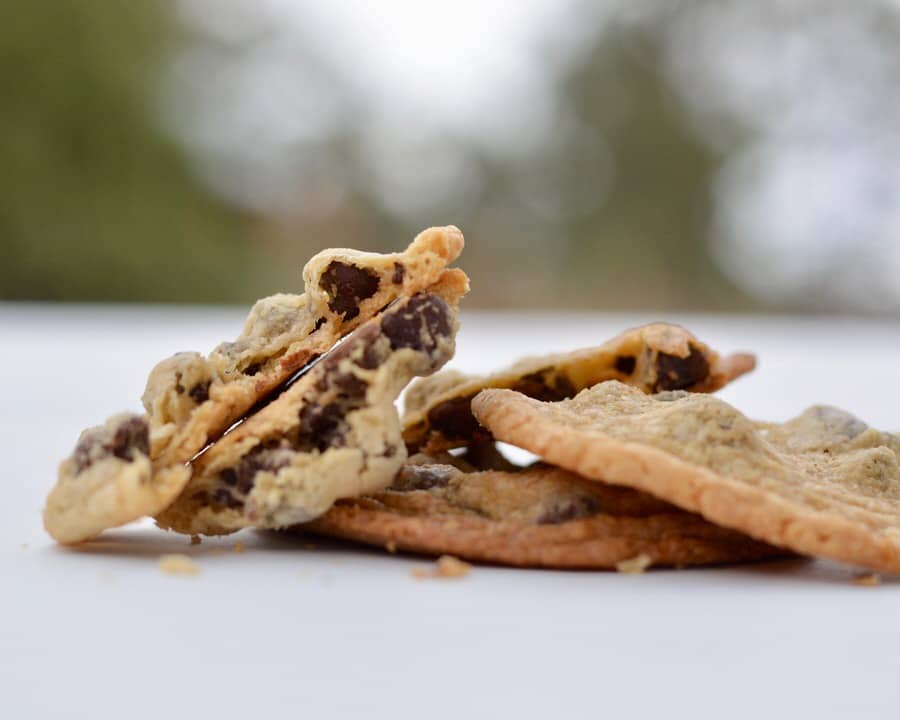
point(131, 435)
point(221, 496)
point(129, 439)
point(545, 385)
point(419, 325)
point(569, 509)
point(321, 426)
point(350, 386)
point(399, 272)
point(423, 477)
point(357, 347)
point(179, 388)
point(82, 455)
point(242, 477)
point(347, 286)
point(625, 364)
point(319, 323)
point(200, 392)
point(454, 419)
point(252, 369)
point(678, 373)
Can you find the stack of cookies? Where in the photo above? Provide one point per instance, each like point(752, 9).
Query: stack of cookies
point(294, 426)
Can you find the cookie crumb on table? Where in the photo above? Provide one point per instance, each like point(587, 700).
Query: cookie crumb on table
point(867, 580)
point(635, 565)
point(239, 547)
point(446, 566)
point(390, 546)
point(195, 540)
point(178, 564)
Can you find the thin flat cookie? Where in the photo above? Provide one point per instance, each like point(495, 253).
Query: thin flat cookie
point(537, 517)
point(823, 484)
point(653, 358)
point(334, 433)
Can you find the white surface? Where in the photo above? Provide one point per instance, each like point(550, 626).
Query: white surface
point(282, 630)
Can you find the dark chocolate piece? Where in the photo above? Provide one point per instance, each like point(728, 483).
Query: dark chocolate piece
point(625, 364)
point(347, 286)
point(678, 373)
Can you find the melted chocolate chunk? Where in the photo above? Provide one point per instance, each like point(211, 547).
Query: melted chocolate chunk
point(347, 286)
point(322, 426)
point(200, 392)
point(419, 325)
point(677, 373)
point(570, 509)
point(349, 386)
point(319, 323)
point(261, 461)
point(625, 364)
point(242, 477)
point(545, 385)
point(399, 273)
point(423, 477)
point(454, 419)
point(252, 369)
point(131, 437)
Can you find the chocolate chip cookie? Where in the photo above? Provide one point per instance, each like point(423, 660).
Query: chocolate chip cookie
point(652, 358)
point(822, 484)
point(540, 516)
point(333, 433)
point(191, 400)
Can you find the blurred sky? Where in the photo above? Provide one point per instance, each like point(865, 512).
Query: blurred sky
point(700, 155)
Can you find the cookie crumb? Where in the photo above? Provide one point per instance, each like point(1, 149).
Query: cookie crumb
point(195, 540)
point(390, 546)
point(178, 564)
point(309, 546)
point(635, 565)
point(239, 547)
point(446, 566)
point(867, 580)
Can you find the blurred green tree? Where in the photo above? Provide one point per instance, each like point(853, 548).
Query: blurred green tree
point(96, 202)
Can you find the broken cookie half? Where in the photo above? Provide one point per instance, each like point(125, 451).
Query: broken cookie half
point(655, 357)
point(192, 400)
point(541, 516)
point(823, 484)
point(333, 433)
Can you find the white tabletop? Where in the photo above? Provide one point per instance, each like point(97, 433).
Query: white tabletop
point(336, 630)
